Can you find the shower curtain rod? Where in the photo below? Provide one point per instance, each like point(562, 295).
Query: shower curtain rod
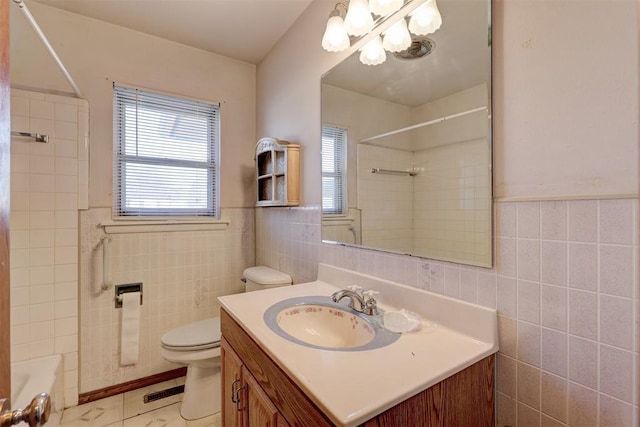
point(419, 125)
point(43, 38)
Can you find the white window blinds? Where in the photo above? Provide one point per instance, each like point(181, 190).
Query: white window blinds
point(165, 155)
point(334, 170)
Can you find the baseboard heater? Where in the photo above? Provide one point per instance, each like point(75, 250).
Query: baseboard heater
point(113, 390)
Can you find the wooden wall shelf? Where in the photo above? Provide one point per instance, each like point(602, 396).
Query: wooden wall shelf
point(277, 173)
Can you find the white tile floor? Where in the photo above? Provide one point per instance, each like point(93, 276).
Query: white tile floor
point(129, 410)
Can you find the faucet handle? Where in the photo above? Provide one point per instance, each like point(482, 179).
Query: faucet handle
point(369, 294)
point(355, 288)
point(370, 304)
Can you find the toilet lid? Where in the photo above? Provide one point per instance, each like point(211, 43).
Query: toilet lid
point(266, 276)
point(201, 333)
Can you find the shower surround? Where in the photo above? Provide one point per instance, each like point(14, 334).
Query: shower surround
point(49, 183)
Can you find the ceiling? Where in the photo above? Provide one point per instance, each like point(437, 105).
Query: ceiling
point(245, 30)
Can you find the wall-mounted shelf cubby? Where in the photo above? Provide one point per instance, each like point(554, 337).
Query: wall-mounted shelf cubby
point(278, 173)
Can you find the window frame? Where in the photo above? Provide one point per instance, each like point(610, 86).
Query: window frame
point(122, 160)
point(341, 168)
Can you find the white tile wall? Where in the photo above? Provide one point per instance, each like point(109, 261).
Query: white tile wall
point(451, 223)
point(385, 224)
point(182, 273)
point(288, 239)
point(565, 284)
point(45, 195)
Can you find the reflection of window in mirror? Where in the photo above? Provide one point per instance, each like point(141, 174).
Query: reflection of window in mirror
point(334, 170)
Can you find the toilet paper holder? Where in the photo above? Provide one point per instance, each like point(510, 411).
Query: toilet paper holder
point(124, 289)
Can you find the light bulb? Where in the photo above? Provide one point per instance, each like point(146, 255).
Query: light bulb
point(373, 53)
point(426, 19)
point(397, 37)
point(335, 37)
point(358, 21)
point(384, 7)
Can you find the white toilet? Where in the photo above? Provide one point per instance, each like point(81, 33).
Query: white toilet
point(197, 345)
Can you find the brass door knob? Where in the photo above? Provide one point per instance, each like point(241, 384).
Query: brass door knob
point(36, 414)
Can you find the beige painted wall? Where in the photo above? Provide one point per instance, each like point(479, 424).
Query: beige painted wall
point(565, 97)
point(97, 54)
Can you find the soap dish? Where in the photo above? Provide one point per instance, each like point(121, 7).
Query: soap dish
point(402, 321)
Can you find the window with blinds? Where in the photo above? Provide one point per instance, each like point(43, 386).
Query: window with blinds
point(165, 155)
point(334, 170)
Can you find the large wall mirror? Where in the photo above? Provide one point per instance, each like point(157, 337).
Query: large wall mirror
point(406, 144)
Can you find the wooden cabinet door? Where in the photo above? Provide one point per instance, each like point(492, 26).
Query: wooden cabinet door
point(232, 384)
point(260, 409)
point(281, 421)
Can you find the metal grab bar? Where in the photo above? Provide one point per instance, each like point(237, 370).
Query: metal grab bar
point(38, 137)
point(392, 172)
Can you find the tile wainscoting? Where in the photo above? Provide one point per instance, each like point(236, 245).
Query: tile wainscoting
point(182, 273)
point(564, 282)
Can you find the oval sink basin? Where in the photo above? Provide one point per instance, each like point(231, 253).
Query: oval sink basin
point(318, 322)
point(325, 326)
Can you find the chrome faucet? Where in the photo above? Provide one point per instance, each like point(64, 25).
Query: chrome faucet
point(364, 303)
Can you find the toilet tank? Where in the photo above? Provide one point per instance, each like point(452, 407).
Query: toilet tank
point(257, 278)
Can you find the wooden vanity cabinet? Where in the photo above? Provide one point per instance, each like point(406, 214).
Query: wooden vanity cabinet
point(232, 386)
point(244, 403)
point(268, 397)
point(260, 410)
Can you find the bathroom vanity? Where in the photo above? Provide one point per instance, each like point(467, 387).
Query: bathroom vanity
point(442, 374)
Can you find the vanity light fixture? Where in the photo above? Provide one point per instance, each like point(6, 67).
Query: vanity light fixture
point(426, 19)
point(335, 37)
point(384, 7)
point(373, 53)
point(397, 37)
point(358, 21)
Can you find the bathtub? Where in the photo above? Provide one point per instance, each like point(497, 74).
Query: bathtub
point(31, 377)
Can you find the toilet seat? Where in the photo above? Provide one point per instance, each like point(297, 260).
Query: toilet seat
point(200, 335)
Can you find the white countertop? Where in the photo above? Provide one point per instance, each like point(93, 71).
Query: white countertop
point(352, 387)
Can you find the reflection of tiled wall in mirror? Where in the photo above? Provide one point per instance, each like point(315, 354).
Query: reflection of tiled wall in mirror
point(385, 200)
